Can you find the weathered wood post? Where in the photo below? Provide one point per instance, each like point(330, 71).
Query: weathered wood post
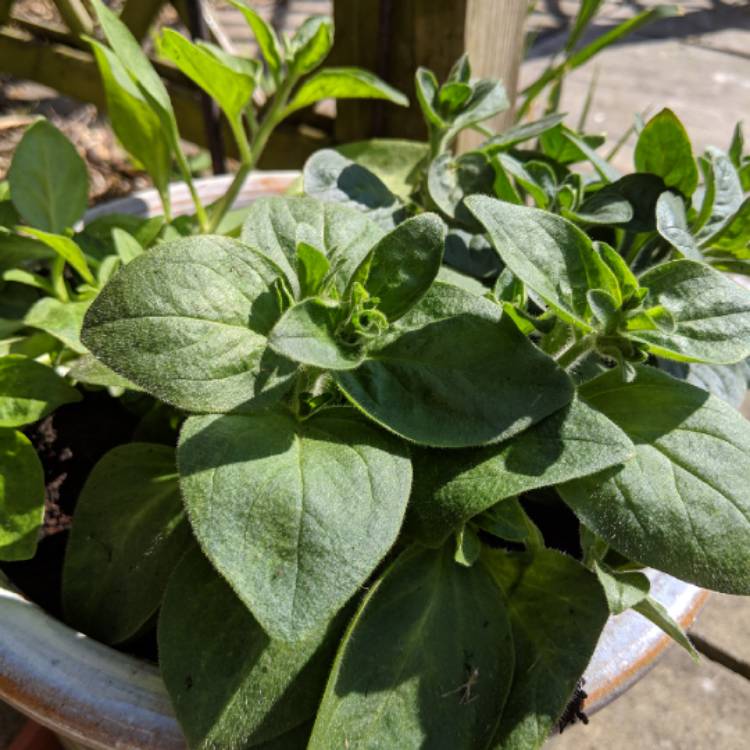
point(393, 37)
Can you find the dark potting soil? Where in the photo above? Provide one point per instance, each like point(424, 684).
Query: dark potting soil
point(69, 443)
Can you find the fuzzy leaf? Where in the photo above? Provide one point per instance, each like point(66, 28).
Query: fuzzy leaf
point(388, 690)
point(273, 227)
point(48, 180)
point(63, 320)
point(343, 83)
point(622, 589)
point(451, 487)
point(231, 685)
point(230, 89)
point(681, 504)
point(549, 254)
point(664, 149)
point(21, 496)
point(131, 529)
point(401, 267)
point(457, 396)
point(306, 333)
point(671, 223)
point(30, 391)
point(188, 322)
point(289, 511)
point(711, 312)
point(557, 612)
point(329, 176)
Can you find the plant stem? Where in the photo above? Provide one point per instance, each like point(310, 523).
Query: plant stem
point(58, 280)
point(250, 156)
point(575, 352)
point(200, 211)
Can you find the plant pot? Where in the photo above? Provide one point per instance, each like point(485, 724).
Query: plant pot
point(97, 698)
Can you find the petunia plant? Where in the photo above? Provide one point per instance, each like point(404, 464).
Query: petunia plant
point(378, 400)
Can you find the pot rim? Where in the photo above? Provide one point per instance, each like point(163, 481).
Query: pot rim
point(92, 694)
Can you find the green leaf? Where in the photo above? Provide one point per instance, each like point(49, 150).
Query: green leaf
point(728, 382)
point(89, 370)
point(658, 614)
point(626, 280)
point(21, 493)
point(734, 235)
point(343, 83)
point(264, 34)
point(548, 253)
point(35, 280)
point(508, 520)
point(188, 322)
point(471, 254)
point(137, 126)
point(711, 312)
point(274, 226)
point(329, 176)
point(242, 65)
point(622, 589)
point(288, 511)
point(724, 189)
point(65, 248)
point(586, 12)
point(398, 163)
point(426, 86)
point(16, 250)
point(641, 191)
point(557, 612)
point(48, 179)
point(449, 276)
point(468, 547)
point(452, 95)
point(605, 208)
point(681, 504)
point(456, 396)
point(30, 391)
point(130, 528)
point(451, 487)
point(672, 225)
point(231, 685)
point(488, 98)
point(505, 163)
point(307, 333)
point(134, 59)
point(401, 267)
point(63, 320)
point(390, 689)
point(450, 180)
point(230, 89)
point(311, 44)
point(601, 165)
point(737, 146)
point(127, 247)
point(312, 269)
point(519, 133)
point(664, 149)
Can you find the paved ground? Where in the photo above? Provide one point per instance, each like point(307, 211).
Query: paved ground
point(697, 63)
point(680, 705)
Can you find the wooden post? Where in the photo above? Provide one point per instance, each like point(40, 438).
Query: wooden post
point(393, 37)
